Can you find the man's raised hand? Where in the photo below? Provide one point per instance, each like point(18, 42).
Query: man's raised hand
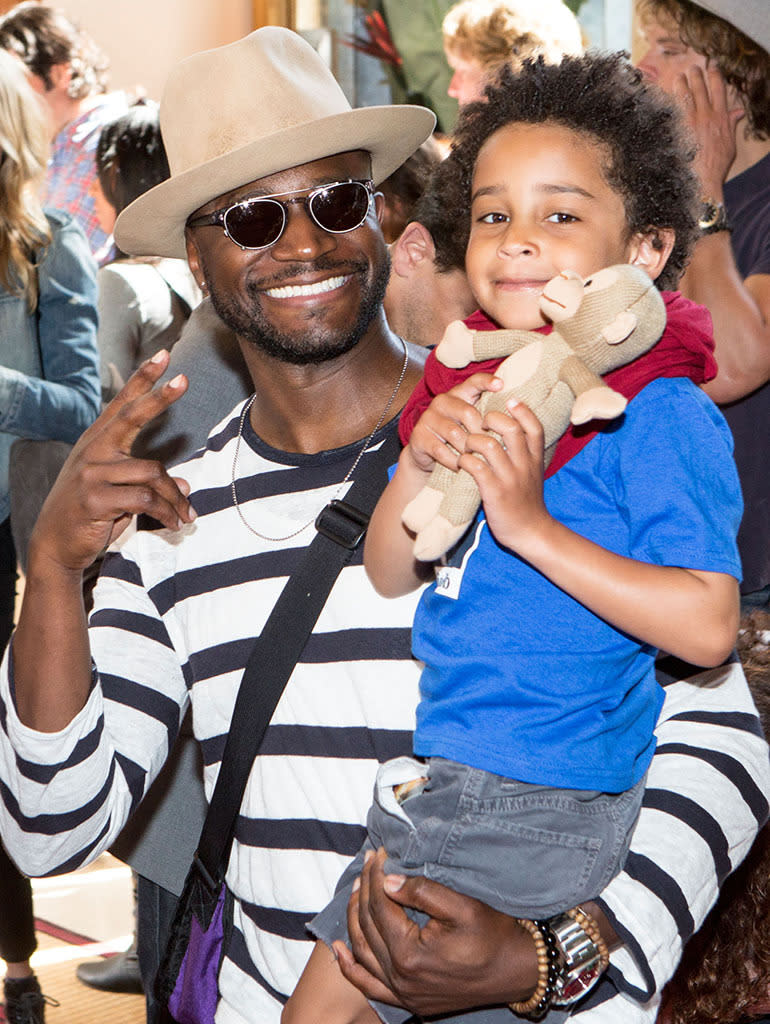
point(101, 486)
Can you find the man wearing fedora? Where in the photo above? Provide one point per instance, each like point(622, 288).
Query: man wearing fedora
point(713, 57)
point(272, 197)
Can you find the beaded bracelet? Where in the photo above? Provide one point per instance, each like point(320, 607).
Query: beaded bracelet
point(591, 928)
point(539, 1002)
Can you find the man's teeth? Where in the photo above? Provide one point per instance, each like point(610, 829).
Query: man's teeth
point(293, 290)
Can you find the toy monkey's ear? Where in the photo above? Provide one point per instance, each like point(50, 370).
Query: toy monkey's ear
point(651, 249)
point(620, 328)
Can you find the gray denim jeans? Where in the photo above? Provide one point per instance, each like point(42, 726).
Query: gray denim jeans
point(528, 850)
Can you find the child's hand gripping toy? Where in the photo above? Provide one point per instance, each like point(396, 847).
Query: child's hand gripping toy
point(599, 325)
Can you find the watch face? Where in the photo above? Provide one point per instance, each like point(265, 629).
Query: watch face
point(709, 215)
point(713, 218)
point(575, 987)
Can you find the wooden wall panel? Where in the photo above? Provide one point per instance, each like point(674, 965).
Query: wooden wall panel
point(273, 12)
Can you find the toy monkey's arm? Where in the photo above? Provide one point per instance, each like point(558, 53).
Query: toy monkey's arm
point(593, 398)
point(461, 346)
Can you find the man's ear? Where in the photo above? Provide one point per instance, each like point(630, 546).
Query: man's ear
point(412, 248)
point(194, 262)
point(651, 249)
point(379, 205)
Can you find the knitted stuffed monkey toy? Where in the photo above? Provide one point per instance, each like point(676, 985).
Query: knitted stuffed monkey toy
point(599, 324)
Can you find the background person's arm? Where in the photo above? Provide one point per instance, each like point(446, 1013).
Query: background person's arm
point(64, 400)
point(740, 308)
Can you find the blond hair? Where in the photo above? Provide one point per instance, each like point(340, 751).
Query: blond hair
point(24, 229)
point(496, 32)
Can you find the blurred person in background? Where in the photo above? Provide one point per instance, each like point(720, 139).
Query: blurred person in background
point(69, 71)
point(49, 388)
point(143, 301)
point(404, 186)
point(480, 36)
point(713, 57)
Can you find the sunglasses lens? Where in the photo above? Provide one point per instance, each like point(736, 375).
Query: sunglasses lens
point(341, 207)
point(255, 224)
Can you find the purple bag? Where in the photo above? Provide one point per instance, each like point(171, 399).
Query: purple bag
point(188, 978)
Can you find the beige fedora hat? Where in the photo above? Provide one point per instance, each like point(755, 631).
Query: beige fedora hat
point(249, 109)
point(752, 17)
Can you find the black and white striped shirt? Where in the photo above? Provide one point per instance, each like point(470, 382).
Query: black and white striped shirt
point(174, 620)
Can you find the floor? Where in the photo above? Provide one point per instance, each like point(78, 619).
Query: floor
point(83, 915)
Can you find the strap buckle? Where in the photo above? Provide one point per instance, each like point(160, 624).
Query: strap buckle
point(343, 523)
point(211, 883)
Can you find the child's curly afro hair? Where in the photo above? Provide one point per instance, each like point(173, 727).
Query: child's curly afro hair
point(649, 156)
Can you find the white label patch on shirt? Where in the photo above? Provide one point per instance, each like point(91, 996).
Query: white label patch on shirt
point(449, 578)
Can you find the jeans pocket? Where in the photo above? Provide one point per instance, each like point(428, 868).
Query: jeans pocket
point(526, 856)
point(400, 773)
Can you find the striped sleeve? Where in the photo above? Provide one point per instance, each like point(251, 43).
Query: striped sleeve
point(707, 796)
point(66, 795)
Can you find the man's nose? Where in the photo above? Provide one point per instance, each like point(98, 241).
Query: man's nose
point(302, 238)
point(647, 66)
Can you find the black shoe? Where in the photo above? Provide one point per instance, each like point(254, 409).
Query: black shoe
point(119, 973)
point(24, 1002)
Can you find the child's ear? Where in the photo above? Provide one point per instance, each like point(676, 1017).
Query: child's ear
point(651, 249)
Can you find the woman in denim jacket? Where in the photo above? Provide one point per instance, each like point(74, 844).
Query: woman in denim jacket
point(49, 389)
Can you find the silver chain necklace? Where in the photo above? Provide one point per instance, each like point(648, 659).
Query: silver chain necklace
point(347, 476)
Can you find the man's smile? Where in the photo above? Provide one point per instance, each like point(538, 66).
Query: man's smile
point(291, 291)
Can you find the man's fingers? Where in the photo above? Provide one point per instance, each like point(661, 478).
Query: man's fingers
point(362, 950)
point(141, 382)
point(132, 416)
point(358, 975)
point(705, 93)
point(138, 402)
point(137, 487)
point(368, 923)
point(421, 893)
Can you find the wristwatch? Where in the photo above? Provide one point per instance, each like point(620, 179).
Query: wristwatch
point(713, 217)
point(579, 960)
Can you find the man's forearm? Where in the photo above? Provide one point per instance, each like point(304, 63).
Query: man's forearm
point(741, 331)
point(51, 655)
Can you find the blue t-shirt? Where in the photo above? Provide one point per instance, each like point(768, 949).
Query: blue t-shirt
point(521, 679)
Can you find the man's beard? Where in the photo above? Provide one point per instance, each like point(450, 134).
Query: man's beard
point(312, 342)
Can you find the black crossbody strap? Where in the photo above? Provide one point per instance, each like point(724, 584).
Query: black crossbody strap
point(341, 526)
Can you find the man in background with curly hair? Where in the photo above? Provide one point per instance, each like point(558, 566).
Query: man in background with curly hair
point(480, 36)
point(69, 71)
point(713, 57)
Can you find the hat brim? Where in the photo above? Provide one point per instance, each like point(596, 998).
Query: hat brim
point(153, 225)
point(749, 16)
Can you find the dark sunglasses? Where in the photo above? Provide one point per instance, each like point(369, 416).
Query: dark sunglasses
point(259, 221)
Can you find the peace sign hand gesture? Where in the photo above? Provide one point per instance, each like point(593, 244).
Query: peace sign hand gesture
point(101, 486)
